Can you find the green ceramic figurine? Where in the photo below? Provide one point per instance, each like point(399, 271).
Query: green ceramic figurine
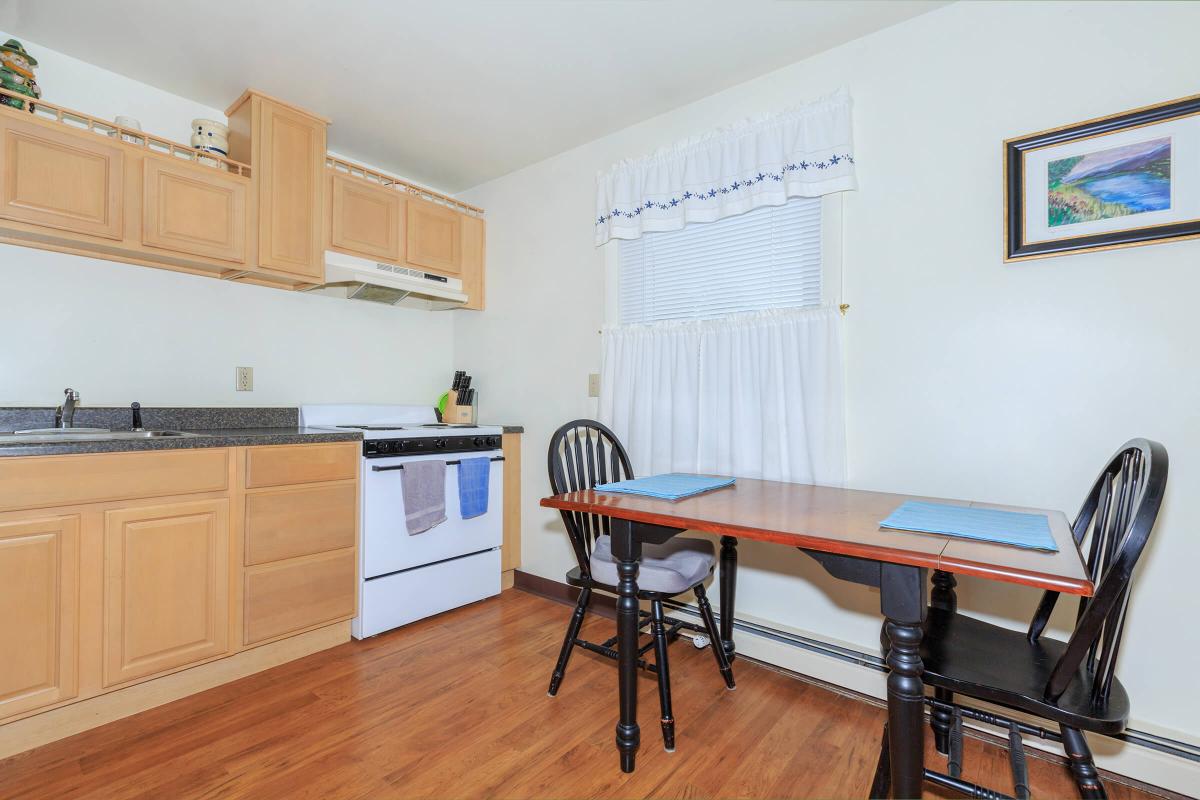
point(16, 74)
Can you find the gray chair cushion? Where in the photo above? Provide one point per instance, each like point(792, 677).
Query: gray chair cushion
point(669, 568)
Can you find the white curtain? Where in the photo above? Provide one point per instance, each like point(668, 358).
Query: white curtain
point(804, 152)
point(755, 395)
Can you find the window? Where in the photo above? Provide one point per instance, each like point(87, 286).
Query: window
point(763, 259)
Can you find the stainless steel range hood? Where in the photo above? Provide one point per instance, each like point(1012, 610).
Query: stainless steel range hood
point(360, 279)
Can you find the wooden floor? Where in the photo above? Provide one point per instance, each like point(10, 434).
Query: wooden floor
point(456, 706)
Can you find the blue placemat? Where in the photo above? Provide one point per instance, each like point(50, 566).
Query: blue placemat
point(1031, 531)
point(671, 486)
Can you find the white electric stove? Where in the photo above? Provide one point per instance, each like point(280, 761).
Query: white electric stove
point(404, 578)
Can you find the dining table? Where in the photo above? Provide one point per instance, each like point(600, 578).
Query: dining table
point(840, 529)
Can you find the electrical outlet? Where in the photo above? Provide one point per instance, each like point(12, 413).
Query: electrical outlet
point(245, 379)
point(594, 384)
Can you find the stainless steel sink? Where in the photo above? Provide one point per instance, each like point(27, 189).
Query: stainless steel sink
point(51, 436)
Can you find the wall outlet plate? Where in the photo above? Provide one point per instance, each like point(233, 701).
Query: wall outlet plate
point(245, 379)
point(594, 384)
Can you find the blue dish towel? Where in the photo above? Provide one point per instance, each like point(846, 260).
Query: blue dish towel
point(1030, 531)
point(672, 486)
point(473, 474)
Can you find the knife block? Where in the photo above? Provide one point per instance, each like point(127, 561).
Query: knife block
point(456, 414)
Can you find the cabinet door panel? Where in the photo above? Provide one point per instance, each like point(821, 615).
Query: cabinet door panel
point(289, 175)
point(39, 626)
point(366, 219)
point(194, 210)
point(166, 587)
point(433, 236)
point(68, 180)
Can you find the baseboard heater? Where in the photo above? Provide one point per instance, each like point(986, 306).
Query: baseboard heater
point(1131, 736)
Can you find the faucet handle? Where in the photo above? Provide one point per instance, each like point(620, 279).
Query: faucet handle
point(136, 410)
point(71, 394)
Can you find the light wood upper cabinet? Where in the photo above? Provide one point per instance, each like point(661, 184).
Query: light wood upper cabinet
point(39, 626)
point(61, 179)
point(472, 273)
point(166, 587)
point(195, 210)
point(285, 147)
point(434, 237)
point(365, 219)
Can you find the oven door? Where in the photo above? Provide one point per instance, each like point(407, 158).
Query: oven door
point(387, 545)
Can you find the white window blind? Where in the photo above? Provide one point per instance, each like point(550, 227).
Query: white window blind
point(763, 259)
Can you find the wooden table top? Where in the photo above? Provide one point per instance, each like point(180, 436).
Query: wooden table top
point(846, 521)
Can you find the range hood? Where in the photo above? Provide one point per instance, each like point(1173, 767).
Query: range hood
point(357, 278)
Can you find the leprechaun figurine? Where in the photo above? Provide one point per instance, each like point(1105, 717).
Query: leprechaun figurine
point(16, 74)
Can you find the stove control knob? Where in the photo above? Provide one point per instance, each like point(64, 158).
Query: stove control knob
point(492, 441)
point(384, 447)
point(477, 441)
point(439, 443)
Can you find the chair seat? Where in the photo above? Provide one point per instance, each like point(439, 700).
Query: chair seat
point(978, 659)
point(670, 568)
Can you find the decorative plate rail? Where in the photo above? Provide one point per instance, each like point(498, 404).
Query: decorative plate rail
point(383, 179)
point(155, 144)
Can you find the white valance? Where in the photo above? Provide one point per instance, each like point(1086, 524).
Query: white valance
point(802, 152)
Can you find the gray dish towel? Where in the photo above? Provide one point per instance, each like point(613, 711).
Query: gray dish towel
point(423, 484)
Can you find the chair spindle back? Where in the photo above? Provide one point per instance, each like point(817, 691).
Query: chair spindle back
point(582, 454)
point(1115, 522)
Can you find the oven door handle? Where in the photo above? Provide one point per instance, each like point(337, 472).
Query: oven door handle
point(448, 464)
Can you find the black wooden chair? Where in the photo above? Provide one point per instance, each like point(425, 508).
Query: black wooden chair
point(582, 454)
point(1070, 683)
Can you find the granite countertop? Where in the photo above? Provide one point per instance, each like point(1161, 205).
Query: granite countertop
point(213, 427)
point(513, 428)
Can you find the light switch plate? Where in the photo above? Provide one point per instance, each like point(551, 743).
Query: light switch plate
point(245, 379)
point(594, 384)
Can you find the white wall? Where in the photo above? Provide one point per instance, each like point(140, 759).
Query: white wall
point(119, 333)
point(965, 377)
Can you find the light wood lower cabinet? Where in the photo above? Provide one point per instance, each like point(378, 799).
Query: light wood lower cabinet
point(39, 624)
point(117, 569)
point(166, 587)
point(60, 179)
point(194, 209)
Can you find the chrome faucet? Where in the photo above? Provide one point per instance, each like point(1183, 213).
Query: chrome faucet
point(64, 415)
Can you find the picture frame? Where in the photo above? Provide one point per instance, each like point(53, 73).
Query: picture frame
point(1124, 180)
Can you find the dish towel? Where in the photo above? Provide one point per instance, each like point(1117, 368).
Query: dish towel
point(423, 484)
point(473, 475)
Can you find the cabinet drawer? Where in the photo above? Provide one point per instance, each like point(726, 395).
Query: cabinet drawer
point(41, 481)
point(293, 595)
point(300, 522)
point(282, 465)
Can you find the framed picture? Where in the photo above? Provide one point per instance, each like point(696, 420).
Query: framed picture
point(1120, 181)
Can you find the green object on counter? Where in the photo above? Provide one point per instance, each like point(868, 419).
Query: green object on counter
point(443, 401)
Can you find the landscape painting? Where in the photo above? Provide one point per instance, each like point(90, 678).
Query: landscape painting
point(1104, 184)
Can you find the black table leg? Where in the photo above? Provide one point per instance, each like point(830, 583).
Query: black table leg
point(728, 590)
point(627, 550)
point(941, 719)
point(902, 594)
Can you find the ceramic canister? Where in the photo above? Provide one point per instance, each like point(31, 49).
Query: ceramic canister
point(208, 134)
